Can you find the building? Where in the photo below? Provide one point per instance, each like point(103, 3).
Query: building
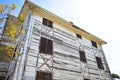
point(55, 49)
point(1, 29)
point(9, 42)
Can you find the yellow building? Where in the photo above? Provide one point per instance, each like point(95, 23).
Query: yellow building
point(9, 42)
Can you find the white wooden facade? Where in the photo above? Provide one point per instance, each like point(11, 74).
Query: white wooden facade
point(64, 63)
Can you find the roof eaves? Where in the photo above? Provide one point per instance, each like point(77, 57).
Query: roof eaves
point(65, 21)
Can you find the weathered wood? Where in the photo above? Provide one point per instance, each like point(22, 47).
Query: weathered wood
point(64, 63)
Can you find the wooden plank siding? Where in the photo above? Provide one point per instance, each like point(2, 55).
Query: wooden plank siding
point(64, 62)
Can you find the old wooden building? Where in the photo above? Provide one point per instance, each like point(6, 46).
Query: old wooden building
point(55, 49)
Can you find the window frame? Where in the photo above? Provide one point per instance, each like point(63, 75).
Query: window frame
point(99, 63)
point(79, 36)
point(46, 46)
point(94, 44)
point(47, 22)
point(86, 79)
point(82, 56)
point(43, 75)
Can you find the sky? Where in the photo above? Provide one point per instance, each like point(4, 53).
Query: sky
point(99, 17)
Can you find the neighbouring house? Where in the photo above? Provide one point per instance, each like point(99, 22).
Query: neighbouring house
point(55, 49)
point(9, 49)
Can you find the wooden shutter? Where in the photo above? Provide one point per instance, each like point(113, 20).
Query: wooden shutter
point(99, 63)
point(46, 46)
point(43, 44)
point(47, 76)
point(86, 79)
point(39, 76)
point(50, 23)
point(82, 56)
point(79, 36)
point(44, 21)
point(43, 76)
point(47, 22)
point(94, 44)
point(49, 47)
point(2, 78)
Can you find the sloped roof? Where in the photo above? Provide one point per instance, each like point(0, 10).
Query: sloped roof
point(32, 5)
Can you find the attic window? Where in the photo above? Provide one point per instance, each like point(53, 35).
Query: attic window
point(79, 36)
point(47, 22)
point(94, 44)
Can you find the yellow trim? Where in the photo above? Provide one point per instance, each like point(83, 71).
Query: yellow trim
point(57, 20)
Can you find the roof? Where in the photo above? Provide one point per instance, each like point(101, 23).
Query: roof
point(34, 6)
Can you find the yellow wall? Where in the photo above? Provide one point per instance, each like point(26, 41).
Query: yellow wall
point(63, 24)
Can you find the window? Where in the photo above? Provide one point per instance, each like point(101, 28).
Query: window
point(79, 36)
point(86, 79)
point(82, 56)
point(94, 44)
point(43, 76)
point(47, 22)
point(46, 46)
point(3, 78)
point(99, 63)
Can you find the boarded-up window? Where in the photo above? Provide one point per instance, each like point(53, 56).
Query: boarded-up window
point(82, 56)
point(46, 46)
point(99, 63)
point(43, 76)
point(94, 44)
point(47, 22)
point(79, 36)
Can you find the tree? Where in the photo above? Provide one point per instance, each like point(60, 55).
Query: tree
point(11, 32)
point(115, 76)
point(5, 10)
point(10, 39)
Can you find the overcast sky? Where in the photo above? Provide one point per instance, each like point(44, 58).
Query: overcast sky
point(99, 17)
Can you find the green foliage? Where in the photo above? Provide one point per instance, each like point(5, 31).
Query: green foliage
point(6, 9)
point(115, 76)
point(21, 18)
